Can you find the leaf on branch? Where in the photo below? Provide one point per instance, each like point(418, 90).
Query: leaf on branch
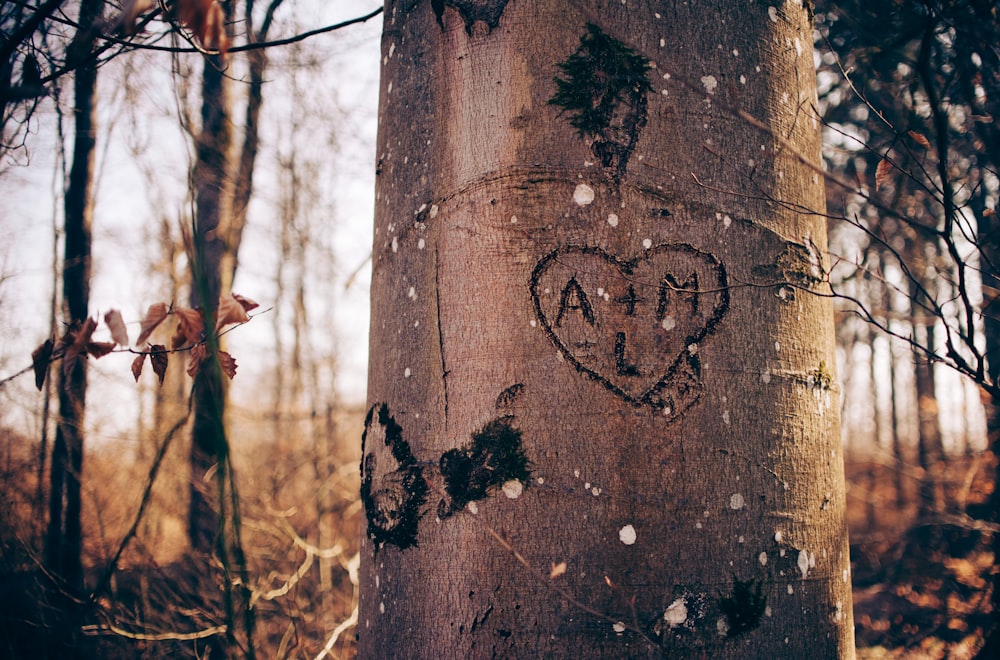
point(920, 139)
point(230, 311)
point(77, 339)
point(227, 363)
point(195, 359)
point(137, 363)
point(154, 316)
point(206, 21)
point(882, 172)
point(100, 348)
point(190, 327)
point(988, 213)
point(116, 325)
point(40, 362)
point(158, 358)
point(248, 304)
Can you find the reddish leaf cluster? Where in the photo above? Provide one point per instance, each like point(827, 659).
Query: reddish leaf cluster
point(205, 19)
point(76, 344)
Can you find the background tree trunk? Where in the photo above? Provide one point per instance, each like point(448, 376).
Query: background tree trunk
point(594, 348)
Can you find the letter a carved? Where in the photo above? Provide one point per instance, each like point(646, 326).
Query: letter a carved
point(574, 297)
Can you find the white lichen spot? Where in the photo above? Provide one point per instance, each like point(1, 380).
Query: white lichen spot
point(767, 610)
point(777, 346)
point(736, 52)
point(381, 608)
point(726, 221)
point(663, 42)
point(791, 589)
point(725, 417)
point(845, 575)
point(762, 558)
point(513, 489)
point(736, 502)
point(742, 539)
point(392, 49)
point(434, 211)
point(576, 473)
point(421, 244)
point(693, 349)
point(668, 323)
point(395, 244)
point(697, 525)
point(389, 88)
point(541, 480)
point(513, 219)
point(407, 373)
point(627, 535)
point(412, 293)
point(677, 613)
point(600, 291)
point(743, 80)
point(618, 627)
point(533, 323)
point(798, 47)
point(710, 83)
point(722, 625)
point(838, 614)
point(772, 13)
point(666, 76)
point(583, 195)
point(595, 491)
point(647, 243)
point(472, 507)
point(613, 220)
point(803, 563)
point(778, 536)
point(765, 377)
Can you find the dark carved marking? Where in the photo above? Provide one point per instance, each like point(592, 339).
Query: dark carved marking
point(506, 399)
point(641, 345)
point(494, 458)
point(392, 494)
point(629, 300)
point(688, 288)
point(621, 366)
point(574, 297)
point(605, 92)
point(745, 607)
point(487, 11)
point(660, 213)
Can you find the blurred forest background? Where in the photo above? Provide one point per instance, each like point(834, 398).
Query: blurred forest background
point(233, 150)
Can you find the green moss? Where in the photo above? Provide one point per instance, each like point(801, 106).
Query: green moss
point(603, 89)
point(745, 607)
point(494, 457)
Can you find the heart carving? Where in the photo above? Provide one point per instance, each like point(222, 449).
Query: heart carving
point(633, 325)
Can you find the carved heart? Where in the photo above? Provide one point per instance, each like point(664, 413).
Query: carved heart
point(633, 325)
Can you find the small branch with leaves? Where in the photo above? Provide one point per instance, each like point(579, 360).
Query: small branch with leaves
point(77, 343)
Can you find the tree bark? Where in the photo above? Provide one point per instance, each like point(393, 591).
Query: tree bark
point(602, 417)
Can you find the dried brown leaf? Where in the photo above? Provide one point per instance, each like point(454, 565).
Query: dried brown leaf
point(190, 325)
point(158, 358)
point(40, 362)
point(227, 363)
point(882, 172)
point(557, 570)
point(100, 348)
point(195, 359)
point(131, 10)
point(920, 139)
point(205, 19)
point(77, 339)
point(137, 363)
point(230, 311)
point(248, 304)
point(154, 316)
point(113, 319)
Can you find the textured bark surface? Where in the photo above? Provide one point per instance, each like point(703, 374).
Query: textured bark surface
point(595, 336)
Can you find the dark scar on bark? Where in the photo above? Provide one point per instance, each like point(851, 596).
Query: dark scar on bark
point(494, 457)
point(604, 91)
point(487, 11)
point(392, 506)
point(745, 607)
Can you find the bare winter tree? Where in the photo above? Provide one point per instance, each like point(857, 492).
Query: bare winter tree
point(603, 421)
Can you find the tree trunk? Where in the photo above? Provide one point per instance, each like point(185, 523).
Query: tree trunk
point(63, 539)
point(603, 421)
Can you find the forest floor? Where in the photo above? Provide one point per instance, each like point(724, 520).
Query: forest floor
point(921, 584)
